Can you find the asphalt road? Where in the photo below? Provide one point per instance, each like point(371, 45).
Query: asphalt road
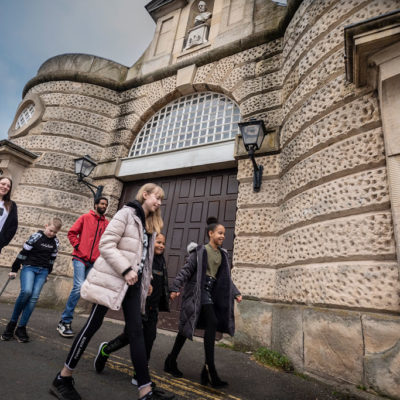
point(27, 369)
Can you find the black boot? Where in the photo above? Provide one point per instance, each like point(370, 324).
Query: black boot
point(209, 375)
point(9, 332)
point(171, 366)
point(21, 335)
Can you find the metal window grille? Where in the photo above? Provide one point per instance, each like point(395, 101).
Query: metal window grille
point(25, 116)
point(193, 120)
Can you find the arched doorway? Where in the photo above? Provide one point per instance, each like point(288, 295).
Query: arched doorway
point(187, 148)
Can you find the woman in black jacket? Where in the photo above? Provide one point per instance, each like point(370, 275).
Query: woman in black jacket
point(8, 213)
point(207, 301)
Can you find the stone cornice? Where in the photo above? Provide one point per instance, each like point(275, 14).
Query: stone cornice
point(73, 72)
point(85, 64)
point(6, 146)
point(365, 38)
point(159, 8)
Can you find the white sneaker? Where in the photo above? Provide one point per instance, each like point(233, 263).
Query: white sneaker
point(65, 330)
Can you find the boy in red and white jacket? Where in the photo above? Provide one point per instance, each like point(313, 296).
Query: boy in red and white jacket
point(84, 237)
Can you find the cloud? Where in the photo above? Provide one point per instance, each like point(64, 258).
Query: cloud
point(10, 95)
point(33, 31)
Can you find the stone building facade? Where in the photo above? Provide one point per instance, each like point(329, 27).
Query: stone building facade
point(316, 250)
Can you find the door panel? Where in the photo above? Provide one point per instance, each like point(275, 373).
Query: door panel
point(188, 201)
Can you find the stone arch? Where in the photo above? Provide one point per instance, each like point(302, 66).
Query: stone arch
point(219, 153)
point(168, 93)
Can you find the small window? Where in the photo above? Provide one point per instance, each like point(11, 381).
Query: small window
point(25, 116)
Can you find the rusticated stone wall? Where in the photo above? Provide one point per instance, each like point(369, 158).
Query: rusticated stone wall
point(314, 252)
point(83, 118)
point(78, 119)
point(320, 231)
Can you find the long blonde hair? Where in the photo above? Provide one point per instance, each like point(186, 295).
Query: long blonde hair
point(154, 222)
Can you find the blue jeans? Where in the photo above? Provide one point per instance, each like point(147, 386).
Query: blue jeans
point(32, 281)
point(80, 273)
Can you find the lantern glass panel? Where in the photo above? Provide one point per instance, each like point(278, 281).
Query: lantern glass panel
point(260, 136)
point(78, 165)
point(84, 166)
point(250, 135)
point(87, 167)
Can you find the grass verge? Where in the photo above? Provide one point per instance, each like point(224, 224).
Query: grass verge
point(274, 359)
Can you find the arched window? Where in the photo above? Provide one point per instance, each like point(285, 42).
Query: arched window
point(25, 116)
point(193, 120)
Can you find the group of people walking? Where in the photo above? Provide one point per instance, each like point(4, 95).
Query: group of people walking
point(120, 264)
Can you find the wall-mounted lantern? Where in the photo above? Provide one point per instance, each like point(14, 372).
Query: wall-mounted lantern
point(253, 133)
point(83, 168)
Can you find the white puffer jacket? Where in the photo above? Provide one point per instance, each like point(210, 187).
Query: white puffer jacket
point(121, 247)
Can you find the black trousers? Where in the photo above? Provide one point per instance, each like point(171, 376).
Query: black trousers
point(208, 317)
point(133, 329)
point(149, 332)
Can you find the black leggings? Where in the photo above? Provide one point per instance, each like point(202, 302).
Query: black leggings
point(149, 334)
point(133, 328)
point(209, 318)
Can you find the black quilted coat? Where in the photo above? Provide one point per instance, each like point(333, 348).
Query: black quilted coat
point(192, 276)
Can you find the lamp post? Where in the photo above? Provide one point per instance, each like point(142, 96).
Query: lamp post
point(83, 168)
point(253, 133)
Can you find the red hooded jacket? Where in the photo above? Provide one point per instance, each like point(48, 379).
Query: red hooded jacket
point(85, 235)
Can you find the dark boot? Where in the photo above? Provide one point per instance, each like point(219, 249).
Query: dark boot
point(21, 335)
point(209, 375)
point(171, 367)
point(9, 332)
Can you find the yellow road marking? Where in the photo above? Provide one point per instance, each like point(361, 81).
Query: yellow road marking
point(181, 387)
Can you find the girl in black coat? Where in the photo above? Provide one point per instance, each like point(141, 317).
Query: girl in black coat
point(8, 213)
point(157, 301)
point(207, 302)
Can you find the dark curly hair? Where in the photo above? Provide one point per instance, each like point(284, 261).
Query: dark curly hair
point(212, 224)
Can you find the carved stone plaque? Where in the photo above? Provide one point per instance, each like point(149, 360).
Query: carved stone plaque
point(197, 35)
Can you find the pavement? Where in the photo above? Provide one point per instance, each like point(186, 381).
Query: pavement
point(27, 369)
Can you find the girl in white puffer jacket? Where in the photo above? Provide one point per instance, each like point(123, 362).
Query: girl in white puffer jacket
point(120, 277)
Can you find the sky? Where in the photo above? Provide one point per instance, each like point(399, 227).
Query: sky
point(32, 31)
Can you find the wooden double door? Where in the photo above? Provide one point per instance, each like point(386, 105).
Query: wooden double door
point(189, 201)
